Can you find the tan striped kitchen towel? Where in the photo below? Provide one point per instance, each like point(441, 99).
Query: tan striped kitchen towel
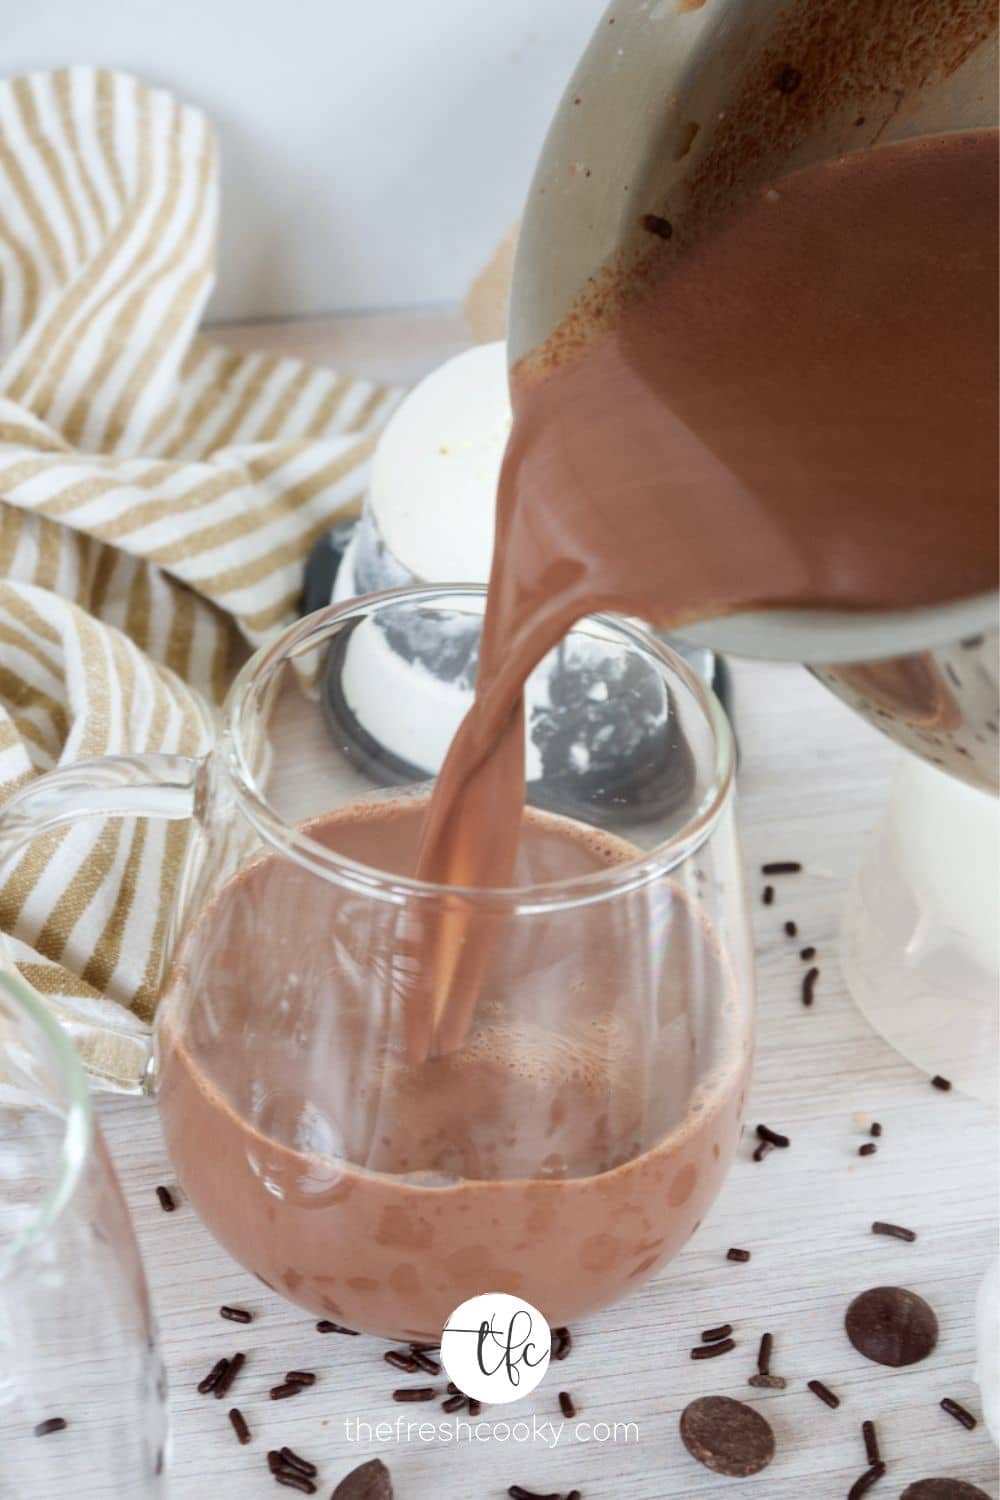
point(158, 498)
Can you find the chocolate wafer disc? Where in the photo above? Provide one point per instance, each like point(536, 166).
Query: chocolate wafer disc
point(943, 1489)
point(727, 1436)
point(891, 1326)
point(369, 1482)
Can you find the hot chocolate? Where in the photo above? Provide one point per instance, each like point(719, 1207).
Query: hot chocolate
point(795, 408)
point(565, 1151)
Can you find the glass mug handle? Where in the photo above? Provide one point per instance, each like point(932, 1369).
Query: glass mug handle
point(117, 1055)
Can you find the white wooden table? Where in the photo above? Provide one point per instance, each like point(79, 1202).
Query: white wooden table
point(813, 781)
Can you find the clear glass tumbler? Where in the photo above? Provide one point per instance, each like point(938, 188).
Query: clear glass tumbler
point(566, 1130)
point(82, 1389)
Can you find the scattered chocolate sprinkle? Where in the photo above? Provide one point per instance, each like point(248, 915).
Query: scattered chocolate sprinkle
point(894, 1231)
point(293, 1481)
point(293, 1460)
point(275, 1461)
point(891, 1326)
point(824, 1393)
point(420, 1348)
point(768, 1382)
point(764, 1148)
point(871, 1443)
point(51, 1424)
point(709, 1351)
point(791, 929)
point(410, 1393)
point(764, 1354)
point(765, 1133)
point(943, 1489)
point(213, 1377)
point(727, 1436)
point(781, 867)
point(806, 954)
point(734, 1253)
point(286, 1389)
point(424, 1362)
point(453, 1403)
point(566, 1405)
point(562, 1342)
point(475, 1407)
point(944, 1084)
point(655, 224)
point(712, 1335)
point(401, 1361)
point(518, 1492)
point(325, 1326)
point(369, 1482)
point(236, 1314)
point(166, 1199)
point(453, 1389)
point(300, 1377)
point(767, 895)
point(809, 981)
point(876, 1129)
point(574, 1495)
point(863, 1484)
point(240, 1427)
point(229, 1374)
point(788, 80)
point(960, 1413)
point(868, 1149)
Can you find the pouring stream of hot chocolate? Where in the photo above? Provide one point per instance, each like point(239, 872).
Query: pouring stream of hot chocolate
point(798, 411)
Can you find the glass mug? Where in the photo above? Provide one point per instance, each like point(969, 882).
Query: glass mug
point(575, 1131)
point(82, 1388)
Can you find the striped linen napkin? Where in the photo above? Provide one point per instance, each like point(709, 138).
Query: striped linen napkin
point(158, 499)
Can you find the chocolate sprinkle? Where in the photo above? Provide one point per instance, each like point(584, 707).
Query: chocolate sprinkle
point(891, 1326)
point(944, 1084)
point(325, 1326)
point(518, 1492)
point(787, 82)
point(424, 1362)
point(293, 1460)
point(562, 1342)
point(286, 1389)
point(475, 1407)
point(765, 1133)
point(727, 1436)
point(767, 895)
point(764, 1354)
point(764, 1148)
point(894, 1231)
point(453, 1403)
point(806, 954)
point(943, 1489)
point(51, 1424)
point(709, 1351)
point(863, 1484)
point(868, 1149)
point(240, 1427)
point(301, 1377)
point(213, 1377)
point(791, 929)
point(566, 1405)
point(712, 1335)
point(370, 1481)
point(229, 1374)
point(824, 1393)
point(734, 1253)
point(236, 1314)
point(809, 980)
point(871, 1443)
point(166, 1199)
point(401, 1361)
point(781, 867)
point(876, 1129)
point(656, 224)
point(768, 1382)
point(412, 1393)
point(960, 1413)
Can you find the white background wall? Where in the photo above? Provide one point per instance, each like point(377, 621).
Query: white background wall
point(372, 150)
